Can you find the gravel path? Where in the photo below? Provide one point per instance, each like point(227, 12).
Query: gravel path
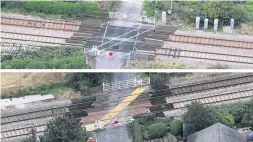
point(207, 48)
point(197, 33)
point(36, 31)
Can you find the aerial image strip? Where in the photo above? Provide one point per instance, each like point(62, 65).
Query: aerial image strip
point(127, 34)
point(126, 107)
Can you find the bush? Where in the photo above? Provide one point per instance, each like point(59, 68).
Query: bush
point(84, 99)
point(77, 10)
point(176, 127)
point(198, 117)
point(225, 118)
point(83, 81)
point(137, 132)
point(157, 130)
point(47, 58)
point(145, 119)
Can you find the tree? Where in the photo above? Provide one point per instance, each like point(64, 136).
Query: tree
point(198, 117)
point(225, 118)
point(176, 127)
point(224, 11)
point(247, 119)
point(64, 128)
point(157, 130)
point(84, 81)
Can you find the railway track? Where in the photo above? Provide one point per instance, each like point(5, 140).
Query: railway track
point(211, 41)
point(216, 97)
point(186, 53)
point(165, 53)
point(52, 40)
point(61, 25)
point(39, 122)
point(211, 83)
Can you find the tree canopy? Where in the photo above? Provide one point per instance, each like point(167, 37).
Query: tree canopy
point(198, 117)
point(64, 128)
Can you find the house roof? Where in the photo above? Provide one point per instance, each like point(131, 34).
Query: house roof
point(217, 133)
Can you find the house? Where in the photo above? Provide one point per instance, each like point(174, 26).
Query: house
point(217, 133)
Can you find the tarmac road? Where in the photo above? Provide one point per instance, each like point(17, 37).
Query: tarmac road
point(105, 61)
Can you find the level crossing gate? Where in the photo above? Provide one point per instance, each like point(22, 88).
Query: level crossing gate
point(132, 83)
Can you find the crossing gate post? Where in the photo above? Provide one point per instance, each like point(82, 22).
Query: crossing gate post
point(135, 82)
point(103, 85)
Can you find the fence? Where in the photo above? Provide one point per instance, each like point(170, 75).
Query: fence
point(132, 83)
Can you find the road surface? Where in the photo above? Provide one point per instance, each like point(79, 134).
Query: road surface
point(105, 61)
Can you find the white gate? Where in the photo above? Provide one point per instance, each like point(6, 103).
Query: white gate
point(132, 83)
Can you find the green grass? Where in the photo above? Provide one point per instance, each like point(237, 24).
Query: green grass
point(53, 88)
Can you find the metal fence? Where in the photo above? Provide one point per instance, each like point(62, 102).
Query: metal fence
point(132, 83)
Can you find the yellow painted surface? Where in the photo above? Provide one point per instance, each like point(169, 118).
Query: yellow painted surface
point(106, 119)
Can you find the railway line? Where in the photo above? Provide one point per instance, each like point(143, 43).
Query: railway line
point(176, 53)
point(211, 41)
point(36, 38)
point(56, 25)
point(239, 93)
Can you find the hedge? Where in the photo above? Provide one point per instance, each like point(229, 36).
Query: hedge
point(176, 127)
point(68, 62)
point(77, 10)
point(157, 130)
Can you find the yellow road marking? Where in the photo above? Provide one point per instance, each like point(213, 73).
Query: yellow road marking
point(106, 119)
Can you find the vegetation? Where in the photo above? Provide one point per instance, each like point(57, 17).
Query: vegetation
point(198, 117)
point(235, 115)
point(46, 58)
point(156, 64)
point(86, 83)
point(52, 88)
point(186, 11)
point(73, 10)
point(147, 127)
point(65, 129)
point(176, 127)
point(157, 130)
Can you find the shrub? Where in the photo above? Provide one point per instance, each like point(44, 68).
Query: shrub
point(145, 119)
point(176, 127)
point(84, 99)
point(77, 10)
point(157, 130)
point(137, 132)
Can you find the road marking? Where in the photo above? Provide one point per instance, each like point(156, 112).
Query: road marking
point(116, 110)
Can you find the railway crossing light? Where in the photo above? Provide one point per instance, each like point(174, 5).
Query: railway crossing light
point(115, 122)
point(110, 53)
point(90, 140)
